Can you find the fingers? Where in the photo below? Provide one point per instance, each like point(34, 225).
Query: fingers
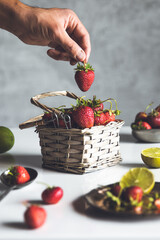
point(71, 47)
point(82, 37)
point(58, 55)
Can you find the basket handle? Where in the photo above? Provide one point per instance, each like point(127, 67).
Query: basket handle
point(34, 100)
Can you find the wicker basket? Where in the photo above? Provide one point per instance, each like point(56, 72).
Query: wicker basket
point(75, 150)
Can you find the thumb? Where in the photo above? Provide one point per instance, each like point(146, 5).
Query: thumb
point(71, 47)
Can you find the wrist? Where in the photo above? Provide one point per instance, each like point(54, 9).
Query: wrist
point(12, 15)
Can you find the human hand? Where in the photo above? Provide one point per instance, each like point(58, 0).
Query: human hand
point(59, 29)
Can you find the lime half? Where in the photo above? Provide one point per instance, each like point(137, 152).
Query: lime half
point(141, 177)
point(151, 157)
point(6, 139)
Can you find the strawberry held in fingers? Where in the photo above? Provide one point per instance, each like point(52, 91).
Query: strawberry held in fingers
point(84, 76)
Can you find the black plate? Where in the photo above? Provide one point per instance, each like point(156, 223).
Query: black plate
point(93, 200)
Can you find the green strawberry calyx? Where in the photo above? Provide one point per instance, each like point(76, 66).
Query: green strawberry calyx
point(84, 67)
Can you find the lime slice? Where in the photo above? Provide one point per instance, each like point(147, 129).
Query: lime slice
point(141, 177)
point(6, 139)
point(151, 157)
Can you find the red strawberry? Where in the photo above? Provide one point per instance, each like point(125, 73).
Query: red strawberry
point(141, 116)
point(100, 119)
point(99, 107)
point(137, 209)
point(144, 125)
point(157, 108)
point(62, 123)
point(116, 190)
point(19, 175)
point(47, 116)
point(84, 76)
point(35, 216)
point(109, 116)
point(52, 195)
point(96, 104)
point(132, 193)
point(157, 203)
point(83, 116)
point(154, 119)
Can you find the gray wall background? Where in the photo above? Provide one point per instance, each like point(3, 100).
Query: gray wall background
point(125, 38)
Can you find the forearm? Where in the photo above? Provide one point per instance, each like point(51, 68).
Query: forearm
point(11, 14)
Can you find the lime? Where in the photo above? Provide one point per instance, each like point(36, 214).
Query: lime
point(151, 157)
point(6, 139)
point(141, 177)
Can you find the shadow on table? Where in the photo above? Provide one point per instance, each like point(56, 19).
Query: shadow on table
point(127, 138)
point(81, 206)
point(16, 225)
point(24, 160)
point(132, 165)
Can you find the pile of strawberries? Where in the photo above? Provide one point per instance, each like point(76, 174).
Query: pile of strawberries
point(132, 199)
point(147, 121)
point(86, 114)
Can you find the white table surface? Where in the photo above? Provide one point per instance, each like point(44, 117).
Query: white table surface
point(68, 219)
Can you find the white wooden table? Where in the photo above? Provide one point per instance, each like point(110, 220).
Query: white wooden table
point(68, 219)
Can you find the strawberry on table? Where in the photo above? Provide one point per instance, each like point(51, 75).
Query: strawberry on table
point(52, 195)
point(35, 216)
point(84, 76)
point(18, 175)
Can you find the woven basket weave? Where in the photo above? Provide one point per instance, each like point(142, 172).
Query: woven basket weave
point(76, 150)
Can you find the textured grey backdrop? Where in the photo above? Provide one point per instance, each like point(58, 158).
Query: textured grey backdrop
point(125, 38)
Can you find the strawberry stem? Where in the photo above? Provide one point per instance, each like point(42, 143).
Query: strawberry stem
point(148, 106)
point(47, 185)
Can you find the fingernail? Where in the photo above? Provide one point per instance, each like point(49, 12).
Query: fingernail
point(80, 56)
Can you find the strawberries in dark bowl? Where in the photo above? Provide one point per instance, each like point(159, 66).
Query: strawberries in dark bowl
point(146, 126)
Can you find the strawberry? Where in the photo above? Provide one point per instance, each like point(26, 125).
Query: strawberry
point(18, 175)
point(141, 126)
point(132, 193)
point(52, 195)
point(35, 216)
point(154, 119)
point(142, 116)
point(157, 108)
point(116, 190)
point(137, 209)
point(62, 123)
point(83, 116)
point(84, 76)
point(109, 116)
point(47, 116)
point(157, 203)
point(96, 104)
point(99, 119)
